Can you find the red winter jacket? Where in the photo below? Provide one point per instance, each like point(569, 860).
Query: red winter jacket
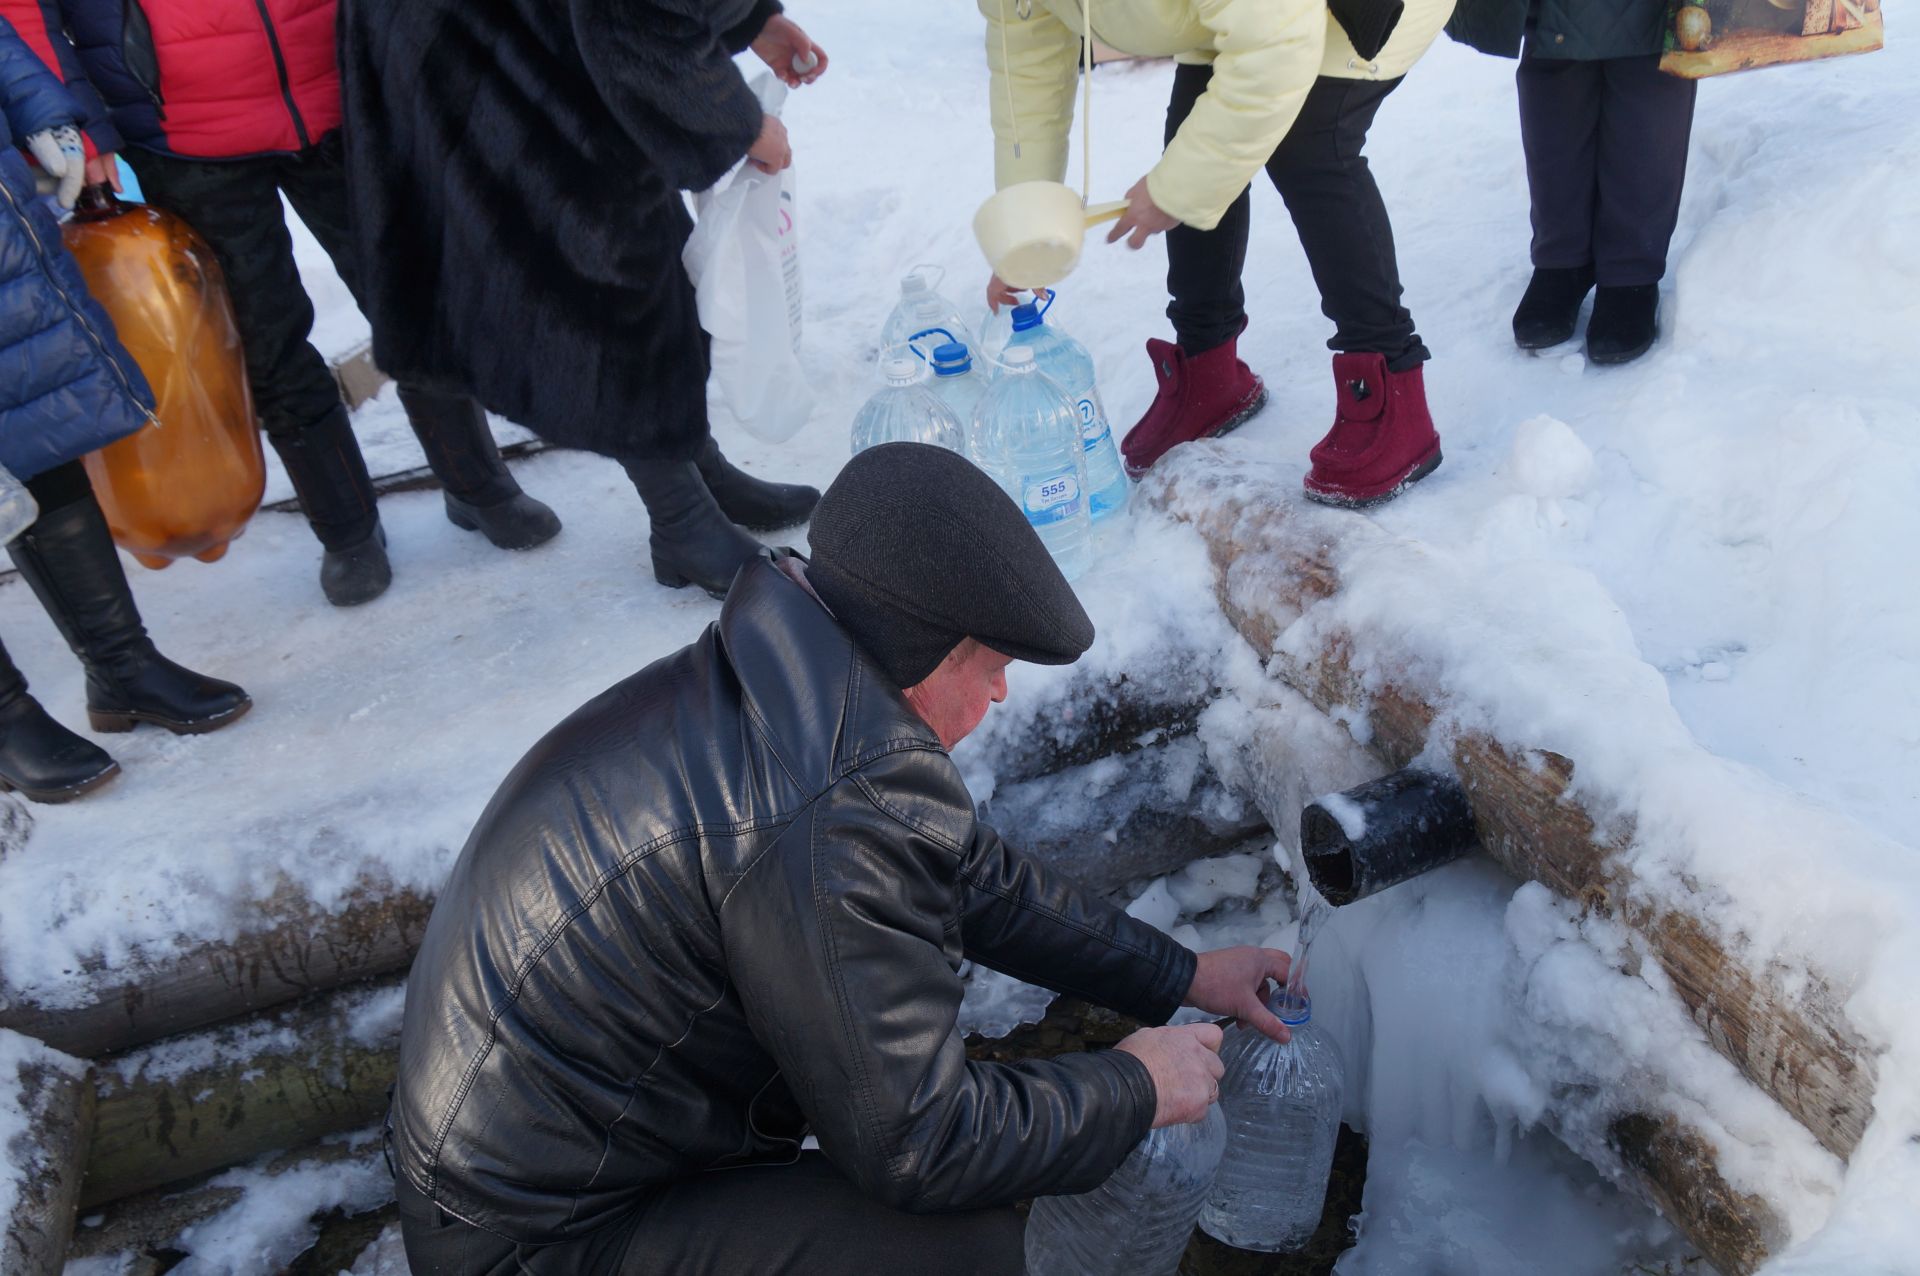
point(209, 79)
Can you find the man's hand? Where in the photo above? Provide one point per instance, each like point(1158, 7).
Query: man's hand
point(64, 158)
point(1185, 1065)
point(1142, 218)
point(1232, 981)
point(771, 152)
point(783, 46)
point(104, 167)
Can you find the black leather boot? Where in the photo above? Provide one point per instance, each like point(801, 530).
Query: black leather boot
point(481, 493)
point(691, 540)
point(1625, 322)
point(753, 503)
point(67, 556)
point(330, 478)
point(1551, 307)
point(38, 757)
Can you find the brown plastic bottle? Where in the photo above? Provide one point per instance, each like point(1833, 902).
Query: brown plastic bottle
point(186, 486)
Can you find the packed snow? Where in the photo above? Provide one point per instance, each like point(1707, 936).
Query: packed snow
point(1685, 573)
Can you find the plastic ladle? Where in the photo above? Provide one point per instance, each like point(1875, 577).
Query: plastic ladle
point(1032, 232)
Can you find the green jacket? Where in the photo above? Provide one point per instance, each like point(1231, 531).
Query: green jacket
point(1584, 30)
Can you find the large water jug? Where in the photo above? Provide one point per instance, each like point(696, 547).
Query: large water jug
point(905, 411)
point(920, 313)
point(1028, 437)
point(960, 386)
point(1282, 1105)
point(1139, 1221)
point(1068, 363)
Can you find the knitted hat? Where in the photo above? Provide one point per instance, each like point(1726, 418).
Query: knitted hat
point(914, 549)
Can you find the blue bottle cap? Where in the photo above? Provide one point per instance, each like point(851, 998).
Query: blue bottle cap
point(1026, 315)
point(951, 359)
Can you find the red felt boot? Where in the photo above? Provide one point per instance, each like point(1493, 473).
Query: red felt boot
point(1200, 396)
point(1382, 441)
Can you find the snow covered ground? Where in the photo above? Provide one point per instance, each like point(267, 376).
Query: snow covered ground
point(1698, 568)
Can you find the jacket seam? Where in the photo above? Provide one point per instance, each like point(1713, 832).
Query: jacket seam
point(841, 1002)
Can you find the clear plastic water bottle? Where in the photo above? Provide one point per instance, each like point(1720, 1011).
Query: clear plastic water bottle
point(921, 310)
point(1028, 437)
point(1138, 1222)
point(1069, 364)
point(905, 411)
point(1282, 1105)
point(959, 385)
point(18, 509)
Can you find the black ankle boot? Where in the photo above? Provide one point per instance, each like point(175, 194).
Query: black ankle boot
point(1551, 307)
point(1625, 323)
point(481, 493)
point(67, 556)
point(330, 477)
point(691, 540)
point(753, 503)
point(38, 757)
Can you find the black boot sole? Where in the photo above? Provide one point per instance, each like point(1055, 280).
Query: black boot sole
point(115, 721)
point(459, 516)
point(54, 797)
point(672, 578)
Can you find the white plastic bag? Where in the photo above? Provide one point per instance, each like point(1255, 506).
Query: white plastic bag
point(744, 260)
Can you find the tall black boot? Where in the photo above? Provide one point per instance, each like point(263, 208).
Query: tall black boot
point(330, 478)
point(753, 503)
point(67, 556)
point(691, 540)
point(481, 493)
point(39, 757)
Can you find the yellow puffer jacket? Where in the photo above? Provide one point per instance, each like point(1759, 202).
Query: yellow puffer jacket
point(1266, 54)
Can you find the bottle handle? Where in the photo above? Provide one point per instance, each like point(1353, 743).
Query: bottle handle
point(96, 203)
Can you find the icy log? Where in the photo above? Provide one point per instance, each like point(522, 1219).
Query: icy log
point(1114, 822)
point(1786, 1034)
point(297, 949)
point(182, 1107)
point(48, 1159)
point(1679, 1170)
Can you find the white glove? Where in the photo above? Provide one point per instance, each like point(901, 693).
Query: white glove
point(62, 156)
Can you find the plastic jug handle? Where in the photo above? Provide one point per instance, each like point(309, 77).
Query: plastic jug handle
point(1097, 213)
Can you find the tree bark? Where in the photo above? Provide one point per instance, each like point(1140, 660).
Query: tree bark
point(49, 1158)
point(276, 1080)
point(296, 951)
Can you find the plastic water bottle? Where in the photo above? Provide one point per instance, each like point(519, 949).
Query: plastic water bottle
point(905, 411)
point(1069, 364)
point(1028, 437)
point(920, 311)
point(958, 385)
point(1282, 1105)
point(1138, 1222)
point(18, 509)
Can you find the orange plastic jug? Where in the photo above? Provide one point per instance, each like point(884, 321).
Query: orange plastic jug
point(187, 485)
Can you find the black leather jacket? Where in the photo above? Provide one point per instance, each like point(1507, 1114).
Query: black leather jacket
point(723, 904)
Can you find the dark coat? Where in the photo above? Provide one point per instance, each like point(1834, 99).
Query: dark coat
point(724, 903)
point(517, 169)
point(1581, 30)
point(67, 385)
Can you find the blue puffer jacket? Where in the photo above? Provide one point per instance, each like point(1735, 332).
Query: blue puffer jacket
point(67, 385)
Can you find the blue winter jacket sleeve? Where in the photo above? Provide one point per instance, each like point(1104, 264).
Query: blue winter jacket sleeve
point(33, 97)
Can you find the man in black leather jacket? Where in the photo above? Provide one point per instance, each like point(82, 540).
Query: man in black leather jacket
point(722, 906)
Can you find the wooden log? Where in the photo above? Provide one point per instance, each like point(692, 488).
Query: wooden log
point(299, 949)
point(1679, 1170)
point(48, 1159)
point(180, 1108)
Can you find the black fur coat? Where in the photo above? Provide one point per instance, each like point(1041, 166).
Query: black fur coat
point(516, 169)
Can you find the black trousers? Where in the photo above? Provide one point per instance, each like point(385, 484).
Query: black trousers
point(1606, 148)
point(1337, 210)
point(803, 1219)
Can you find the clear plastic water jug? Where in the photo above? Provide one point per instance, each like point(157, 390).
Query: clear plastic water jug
point(1139, 1221)
point(1282, 1105)
point(1028, 437)
point(905, 411)
point(960, 385)
point(921, 312)
point(1065, 360)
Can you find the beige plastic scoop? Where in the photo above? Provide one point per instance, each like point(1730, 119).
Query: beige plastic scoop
point(1031, 232)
